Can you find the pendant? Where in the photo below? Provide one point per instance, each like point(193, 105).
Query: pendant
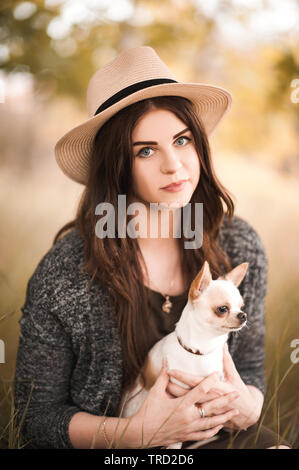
point(166, 307)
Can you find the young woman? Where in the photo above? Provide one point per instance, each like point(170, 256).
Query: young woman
point(96, 304)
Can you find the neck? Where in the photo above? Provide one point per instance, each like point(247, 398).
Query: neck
point(194, 336)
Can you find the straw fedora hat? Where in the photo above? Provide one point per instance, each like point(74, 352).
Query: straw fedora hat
point(134, 75)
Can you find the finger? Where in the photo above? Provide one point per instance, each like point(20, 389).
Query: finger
point(176, 389)
point(179, 391)
point(200, 435)
point(211, 395)
point(162, 379)
point(228, 363)
point(187, 378)
point(213, 421)
point(219, 405)
point(202, 389)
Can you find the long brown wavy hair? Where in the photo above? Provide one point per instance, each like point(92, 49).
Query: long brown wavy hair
point(115, 262)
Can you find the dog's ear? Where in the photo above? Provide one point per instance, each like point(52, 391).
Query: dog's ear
point(236, 275)
point(201, 282)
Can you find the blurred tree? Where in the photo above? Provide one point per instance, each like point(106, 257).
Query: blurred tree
point(62, 42)
point(64, 63)
point(286, 70)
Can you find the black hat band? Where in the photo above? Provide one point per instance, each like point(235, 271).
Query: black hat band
point(131, 89)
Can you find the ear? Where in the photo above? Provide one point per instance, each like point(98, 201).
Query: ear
point(236, 275)
point(201, 282)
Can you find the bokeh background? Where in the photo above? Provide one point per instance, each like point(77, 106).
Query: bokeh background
point(49, 50)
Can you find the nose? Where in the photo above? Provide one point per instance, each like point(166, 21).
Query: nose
point(170, 162)
point(242, 316)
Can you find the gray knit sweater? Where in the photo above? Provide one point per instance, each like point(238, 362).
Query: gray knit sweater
point(70, 349)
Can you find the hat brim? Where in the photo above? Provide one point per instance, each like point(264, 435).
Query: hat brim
point(73, 149)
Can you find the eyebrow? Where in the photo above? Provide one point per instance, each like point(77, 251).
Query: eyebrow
point(156, 143)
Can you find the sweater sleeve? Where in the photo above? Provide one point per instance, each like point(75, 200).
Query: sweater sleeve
point(248, 345)
point(43, 369)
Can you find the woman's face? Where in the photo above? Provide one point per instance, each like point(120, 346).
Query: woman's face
point(164, 153)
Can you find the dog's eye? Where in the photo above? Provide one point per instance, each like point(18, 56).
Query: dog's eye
point(222, 309)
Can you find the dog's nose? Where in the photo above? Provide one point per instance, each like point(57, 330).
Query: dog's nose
point(242, 316)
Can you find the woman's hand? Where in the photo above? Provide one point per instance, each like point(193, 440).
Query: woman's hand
point(163, 420)
point(250, 400)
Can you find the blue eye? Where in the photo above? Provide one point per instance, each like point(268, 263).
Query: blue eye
point(183, 137)
point(142, 150)
point(146, 155)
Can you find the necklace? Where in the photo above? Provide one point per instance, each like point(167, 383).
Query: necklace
point(167, 304)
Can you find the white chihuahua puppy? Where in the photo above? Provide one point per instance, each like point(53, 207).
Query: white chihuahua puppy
point(196, 345)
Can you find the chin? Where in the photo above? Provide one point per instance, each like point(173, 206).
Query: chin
point(173, 204)
point(181, 199)
point(227, 329)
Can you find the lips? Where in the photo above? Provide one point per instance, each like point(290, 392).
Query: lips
point(174, 185)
